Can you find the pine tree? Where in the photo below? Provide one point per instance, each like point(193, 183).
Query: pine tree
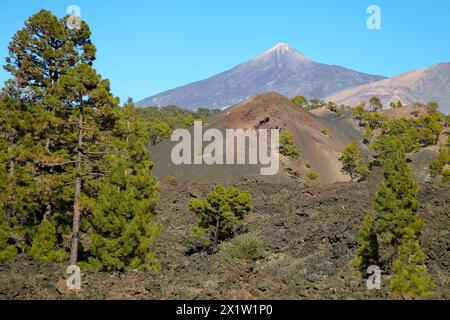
point(220, 214)
point(88, 97)
point(34, 126)
point(287, 147)
point(410, 278)
point(385, 146)
point(124, 228)
point(367, 252)
point(42, 51)
point(396, 201)
point(352, 161)
point(397, 226)
point(375, 104)
point(66, 146)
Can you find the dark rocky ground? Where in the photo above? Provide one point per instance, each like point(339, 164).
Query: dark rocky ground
point(310, 234)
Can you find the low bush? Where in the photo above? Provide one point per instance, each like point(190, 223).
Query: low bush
point(247, 247)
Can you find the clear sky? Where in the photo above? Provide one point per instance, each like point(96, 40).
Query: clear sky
point(148, 46)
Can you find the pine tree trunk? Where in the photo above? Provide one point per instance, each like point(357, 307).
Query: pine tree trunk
point(9, 207)
point(12, 166)
point(47, 144)
point(77, 194)
point(11, 173)
point(48, 212)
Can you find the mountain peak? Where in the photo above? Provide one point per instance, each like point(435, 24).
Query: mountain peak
point(280, 69)
point(285, 49)
point(282, 47)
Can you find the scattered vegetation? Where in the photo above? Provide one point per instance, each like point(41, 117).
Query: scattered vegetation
point(159, 123)
point(75, 165)
point(307, 104)
point(412, 133)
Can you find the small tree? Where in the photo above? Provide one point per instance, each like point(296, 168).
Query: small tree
point(395, 105)
point(410, 276)
point(124, 227)
point(220, 214)
point(432, 107)
point(352, 161)
point(300, 101)
point(358, 112)
point(367, 252)
point(396, 202)
point(375, 104)
point(287, 147)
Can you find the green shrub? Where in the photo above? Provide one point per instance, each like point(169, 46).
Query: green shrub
point(247, 247)
point(124, 227)
point(313, 175)
point(7, 251)
point(292, 172)
point(44, 243)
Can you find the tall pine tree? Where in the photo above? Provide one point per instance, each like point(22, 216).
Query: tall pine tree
point(87, 96)
point(396, 230)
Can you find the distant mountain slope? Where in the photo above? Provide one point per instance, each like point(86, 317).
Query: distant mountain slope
point(423, 85)
point(281, 69)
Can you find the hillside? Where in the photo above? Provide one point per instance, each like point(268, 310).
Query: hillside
point(310, 235)
point(273, 111)
point(423, 85)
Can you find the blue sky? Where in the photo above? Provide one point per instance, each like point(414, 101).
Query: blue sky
point(145, 47)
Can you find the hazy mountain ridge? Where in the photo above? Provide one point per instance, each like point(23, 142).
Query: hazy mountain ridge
point(422, 85)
